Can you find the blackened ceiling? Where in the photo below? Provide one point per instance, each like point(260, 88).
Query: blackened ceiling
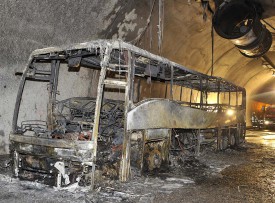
point(28, 25)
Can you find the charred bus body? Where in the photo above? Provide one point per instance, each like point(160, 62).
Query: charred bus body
point(105, 106)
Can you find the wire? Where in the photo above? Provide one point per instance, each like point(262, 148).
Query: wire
point(212, 49)
point(268, 24)
point(150, 29)
point(138, 38)
point(160, 25)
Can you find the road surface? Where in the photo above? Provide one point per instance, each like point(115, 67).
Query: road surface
point(244, 174)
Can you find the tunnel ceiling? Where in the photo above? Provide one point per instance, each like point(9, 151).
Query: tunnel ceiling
point(187, 40)
point(186, 36)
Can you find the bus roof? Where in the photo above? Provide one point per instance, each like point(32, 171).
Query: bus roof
point(179, 71)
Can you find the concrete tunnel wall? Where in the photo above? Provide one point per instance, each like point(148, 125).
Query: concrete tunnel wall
point(28, 25)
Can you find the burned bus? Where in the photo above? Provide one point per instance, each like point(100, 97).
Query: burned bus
point(105, 107)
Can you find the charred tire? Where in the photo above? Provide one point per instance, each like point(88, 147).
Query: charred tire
point(225, 141)
point(232, 138)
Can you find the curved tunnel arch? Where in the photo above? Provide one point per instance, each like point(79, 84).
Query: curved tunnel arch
point(188, 42)
point(31, 24)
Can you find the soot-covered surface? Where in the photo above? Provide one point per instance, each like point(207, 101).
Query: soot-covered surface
point(245, 174)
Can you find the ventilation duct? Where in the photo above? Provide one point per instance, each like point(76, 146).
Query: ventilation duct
point(238, 21)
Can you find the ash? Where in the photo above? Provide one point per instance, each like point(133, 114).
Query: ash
point(243, 174)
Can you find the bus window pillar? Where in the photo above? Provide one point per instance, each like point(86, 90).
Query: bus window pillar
point(126, 150)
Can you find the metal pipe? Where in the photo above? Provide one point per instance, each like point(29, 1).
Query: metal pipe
point(267, 59)
point(238, 21)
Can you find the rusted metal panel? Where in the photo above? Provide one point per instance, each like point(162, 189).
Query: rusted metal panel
point(150, 149)
point(156, 149)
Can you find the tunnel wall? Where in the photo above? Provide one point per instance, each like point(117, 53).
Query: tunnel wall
point(29, 24)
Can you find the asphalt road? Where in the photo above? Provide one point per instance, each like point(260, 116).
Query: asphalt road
point(243, 174)
point(249, 175)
